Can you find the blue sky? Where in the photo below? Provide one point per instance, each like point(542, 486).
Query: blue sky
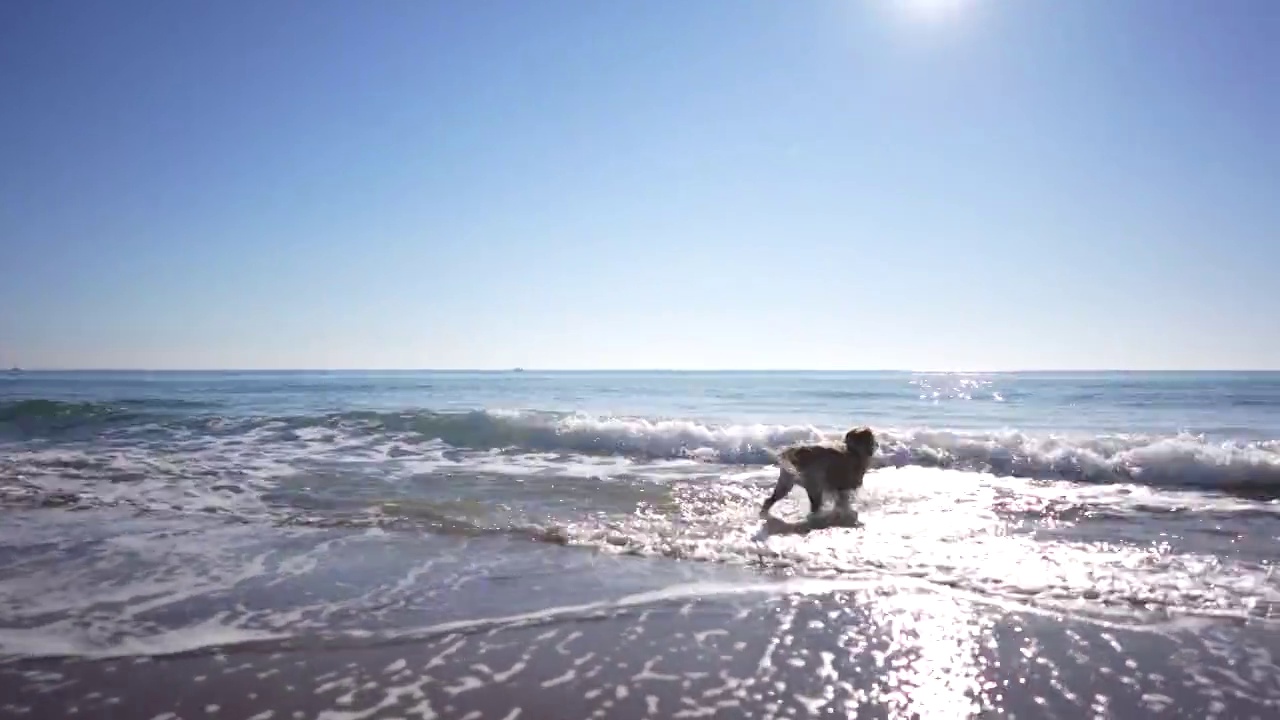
point(975, 184)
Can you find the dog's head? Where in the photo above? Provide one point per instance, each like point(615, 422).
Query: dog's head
point(861, 440)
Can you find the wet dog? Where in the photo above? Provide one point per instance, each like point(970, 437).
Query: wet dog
point(824, 469)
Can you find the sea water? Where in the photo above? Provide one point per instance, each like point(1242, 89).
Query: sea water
point(159, 512)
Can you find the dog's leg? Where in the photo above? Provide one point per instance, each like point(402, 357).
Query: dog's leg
point(815, 498)
point(786, 480)
point(843, 499)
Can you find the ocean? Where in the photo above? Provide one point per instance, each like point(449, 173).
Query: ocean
point(352, 545)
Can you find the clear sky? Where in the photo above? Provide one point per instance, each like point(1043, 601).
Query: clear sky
point(979, 184)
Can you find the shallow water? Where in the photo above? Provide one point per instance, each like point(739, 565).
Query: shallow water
point(147, 513)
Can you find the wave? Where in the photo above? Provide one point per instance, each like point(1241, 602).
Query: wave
point(37, 416)
point(1177, 461)
point(1172, 461)
point(1184, 460)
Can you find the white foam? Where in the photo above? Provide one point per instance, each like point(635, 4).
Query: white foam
point(1182, 460)
point(209, 633)
point(230, 472)
point(942, 526)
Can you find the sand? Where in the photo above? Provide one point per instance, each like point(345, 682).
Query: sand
point(866, 650)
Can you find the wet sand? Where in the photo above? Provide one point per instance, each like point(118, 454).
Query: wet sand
point(874, 650)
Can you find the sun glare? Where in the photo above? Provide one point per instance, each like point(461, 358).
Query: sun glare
point(931, 9)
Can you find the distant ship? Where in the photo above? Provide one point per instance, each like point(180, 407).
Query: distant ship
point(519, 369)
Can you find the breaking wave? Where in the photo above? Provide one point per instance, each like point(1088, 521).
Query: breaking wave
point(1184, 460)
point(1172, 461)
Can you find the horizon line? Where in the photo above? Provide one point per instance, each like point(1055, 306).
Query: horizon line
point(519, 369)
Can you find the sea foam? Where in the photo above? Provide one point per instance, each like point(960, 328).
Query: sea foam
point(1174, 461)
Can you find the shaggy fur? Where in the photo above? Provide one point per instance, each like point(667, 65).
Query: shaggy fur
point(823, 469)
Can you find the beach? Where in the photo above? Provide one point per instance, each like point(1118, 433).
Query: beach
point(536, 545)
point(741, 646)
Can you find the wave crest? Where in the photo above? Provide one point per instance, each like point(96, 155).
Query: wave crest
point(1186, 461)
point(1172, 461)
point(1179, 461)
point(589, 435)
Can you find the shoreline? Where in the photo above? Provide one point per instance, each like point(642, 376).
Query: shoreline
point(881, 651)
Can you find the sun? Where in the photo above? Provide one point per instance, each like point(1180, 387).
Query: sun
point(931, 9)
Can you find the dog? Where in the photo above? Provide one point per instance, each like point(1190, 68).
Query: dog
point(823, 469)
